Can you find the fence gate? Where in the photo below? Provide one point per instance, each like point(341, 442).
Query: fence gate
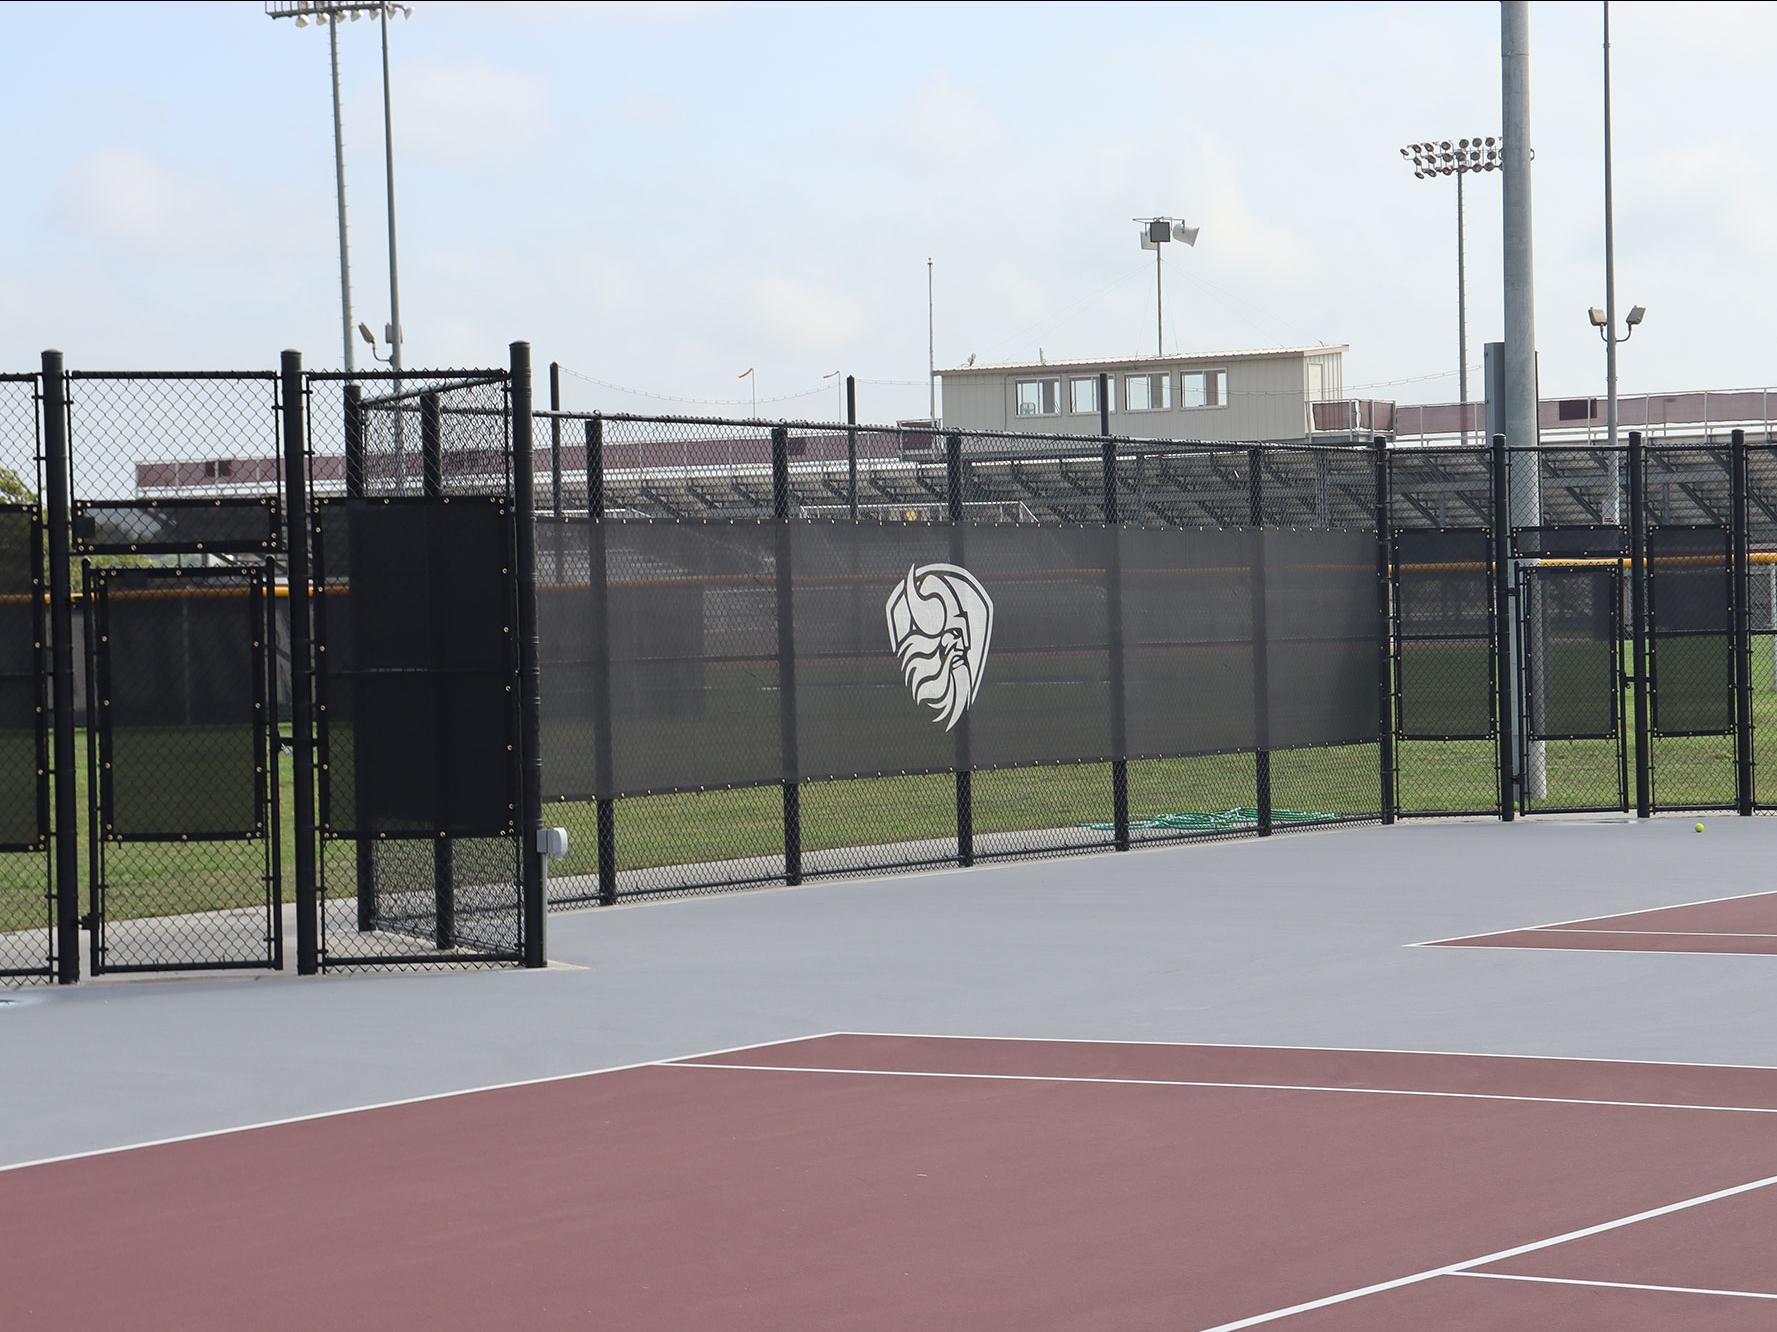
point(1573, 752)
point(1444, 683)
point(26, 947)
point(182, 776)
point(1691, 667)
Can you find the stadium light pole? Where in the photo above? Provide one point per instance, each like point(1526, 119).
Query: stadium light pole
point(1429, 161)
point(329, 14)
point(1156, 231)
point(1605, 320)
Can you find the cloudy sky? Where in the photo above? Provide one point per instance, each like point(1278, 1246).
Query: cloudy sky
point(661, 196)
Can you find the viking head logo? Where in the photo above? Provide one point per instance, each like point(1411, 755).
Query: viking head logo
point(940, 621)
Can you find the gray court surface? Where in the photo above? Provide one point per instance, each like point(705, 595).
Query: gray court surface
point(1296, 940)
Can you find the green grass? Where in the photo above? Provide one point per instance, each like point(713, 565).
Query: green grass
point(151, 879)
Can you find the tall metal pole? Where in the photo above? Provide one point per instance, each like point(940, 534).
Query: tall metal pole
point(534, 875)
point(931, 349)
point(339, 188)
point(61, 638)
point(1614, 499)
point(1519, 395)
point(1461, 310)
point(302, 683)
point(389, 169)
point(1159, 317)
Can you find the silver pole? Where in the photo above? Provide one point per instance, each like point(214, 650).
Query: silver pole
point(931, 349)
point(1159, 319)
point(1461, 313)
point(1520, 414)
point(1614, 500)
point(339, 185)
point(389, 167)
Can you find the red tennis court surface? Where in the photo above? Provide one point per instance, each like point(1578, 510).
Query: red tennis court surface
point(874, 1182)
point(1723, 925)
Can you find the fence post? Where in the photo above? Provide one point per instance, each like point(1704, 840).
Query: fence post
point(786, 656)
point(1503, 599)
point(302, 721)
point(533, 879)
point(851, 446)
point(356, 488)
point(1255, 500)
point(965, 760)
point(61, 637)
point(555, 450)
point(1385, 632)
point(1638, 628)
point(1113, 520)
point(601, 661)
point(1742, 560)
point(444, 866)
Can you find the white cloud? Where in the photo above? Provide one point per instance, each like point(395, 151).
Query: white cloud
point(125, 197)
point(451, 108)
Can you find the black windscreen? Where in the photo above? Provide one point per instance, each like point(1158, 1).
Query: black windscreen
point(855, 713)
point(1444, 614)
point(419, 674)
point(181, 683)
point(21, 782)
point(693, 643)
point(566, 616)
point(149, 526)
point(1187, 640)
point(1320, 615)
point(1691, 616)
point(1571, 639)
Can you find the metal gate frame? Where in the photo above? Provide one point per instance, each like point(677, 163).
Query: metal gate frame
point(256, 580)
point(40, 686)
point(1527, 575)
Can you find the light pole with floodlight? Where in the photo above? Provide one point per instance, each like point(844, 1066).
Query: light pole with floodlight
point(1156, 231)
point(1430, 160)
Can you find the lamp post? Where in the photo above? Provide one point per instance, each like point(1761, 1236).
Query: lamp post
point(1605, 320)
point(330, 14)
point(1155, 232)
point(1430, 160)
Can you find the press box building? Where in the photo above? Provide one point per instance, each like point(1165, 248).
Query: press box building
point(1252, 395)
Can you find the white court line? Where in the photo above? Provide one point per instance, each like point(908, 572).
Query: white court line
point(1575, 920)
point(1619, 1285)
point(405, 1100)
point(1594, 952)
point(1458, 1269)
point(1245, 1045)
point(1228, 1086)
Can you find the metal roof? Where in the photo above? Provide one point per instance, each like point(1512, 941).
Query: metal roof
point(1189, 358)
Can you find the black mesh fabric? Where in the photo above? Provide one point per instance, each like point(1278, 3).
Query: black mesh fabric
point(1187, 641)
point(693, 643)
point(1691, 619)
point(566, 616)
point(855, 715)
point(1045, 693)
point(1571, 639)
point(249, 526)
point(1320, 616)
point(181, 722)
point(20, 782)
point(421, 720)
point(1579, 541)
point(1444, 618)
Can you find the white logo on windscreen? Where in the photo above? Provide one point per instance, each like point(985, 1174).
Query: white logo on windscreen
point(940, 621)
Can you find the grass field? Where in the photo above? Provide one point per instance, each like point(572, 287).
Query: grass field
point(152, 879)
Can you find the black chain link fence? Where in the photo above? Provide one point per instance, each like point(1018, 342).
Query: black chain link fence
point(27, 901)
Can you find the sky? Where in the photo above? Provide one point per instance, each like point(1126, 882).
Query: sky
point(662, 196)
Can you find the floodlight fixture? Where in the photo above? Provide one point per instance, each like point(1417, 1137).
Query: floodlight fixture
point(1636, 314)
point(1596, 316)
point(1155, 232)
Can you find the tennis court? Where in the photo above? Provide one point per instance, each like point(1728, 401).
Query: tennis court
point(1194, 1087)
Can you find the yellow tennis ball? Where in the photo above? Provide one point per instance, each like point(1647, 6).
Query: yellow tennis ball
point(1699, 827)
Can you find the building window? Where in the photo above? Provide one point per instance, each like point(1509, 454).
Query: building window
point(1083, 396)
point(1204, 388)
point(1147, 393)
point(1039, 397)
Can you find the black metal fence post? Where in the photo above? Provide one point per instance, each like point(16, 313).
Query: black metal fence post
point(444, 865)
point(601, 661)
point(302, 719)
point(1742, 561)
point(533, 880)
point(1114, 589)
point(965, 762)
point(356, 456)
point(1255, 500)
point(1638, 625)
point(555, 450)
point(1385, 634)
point(61, 627)
point(851, 446)
point(786, 656)
point(1504, 669)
